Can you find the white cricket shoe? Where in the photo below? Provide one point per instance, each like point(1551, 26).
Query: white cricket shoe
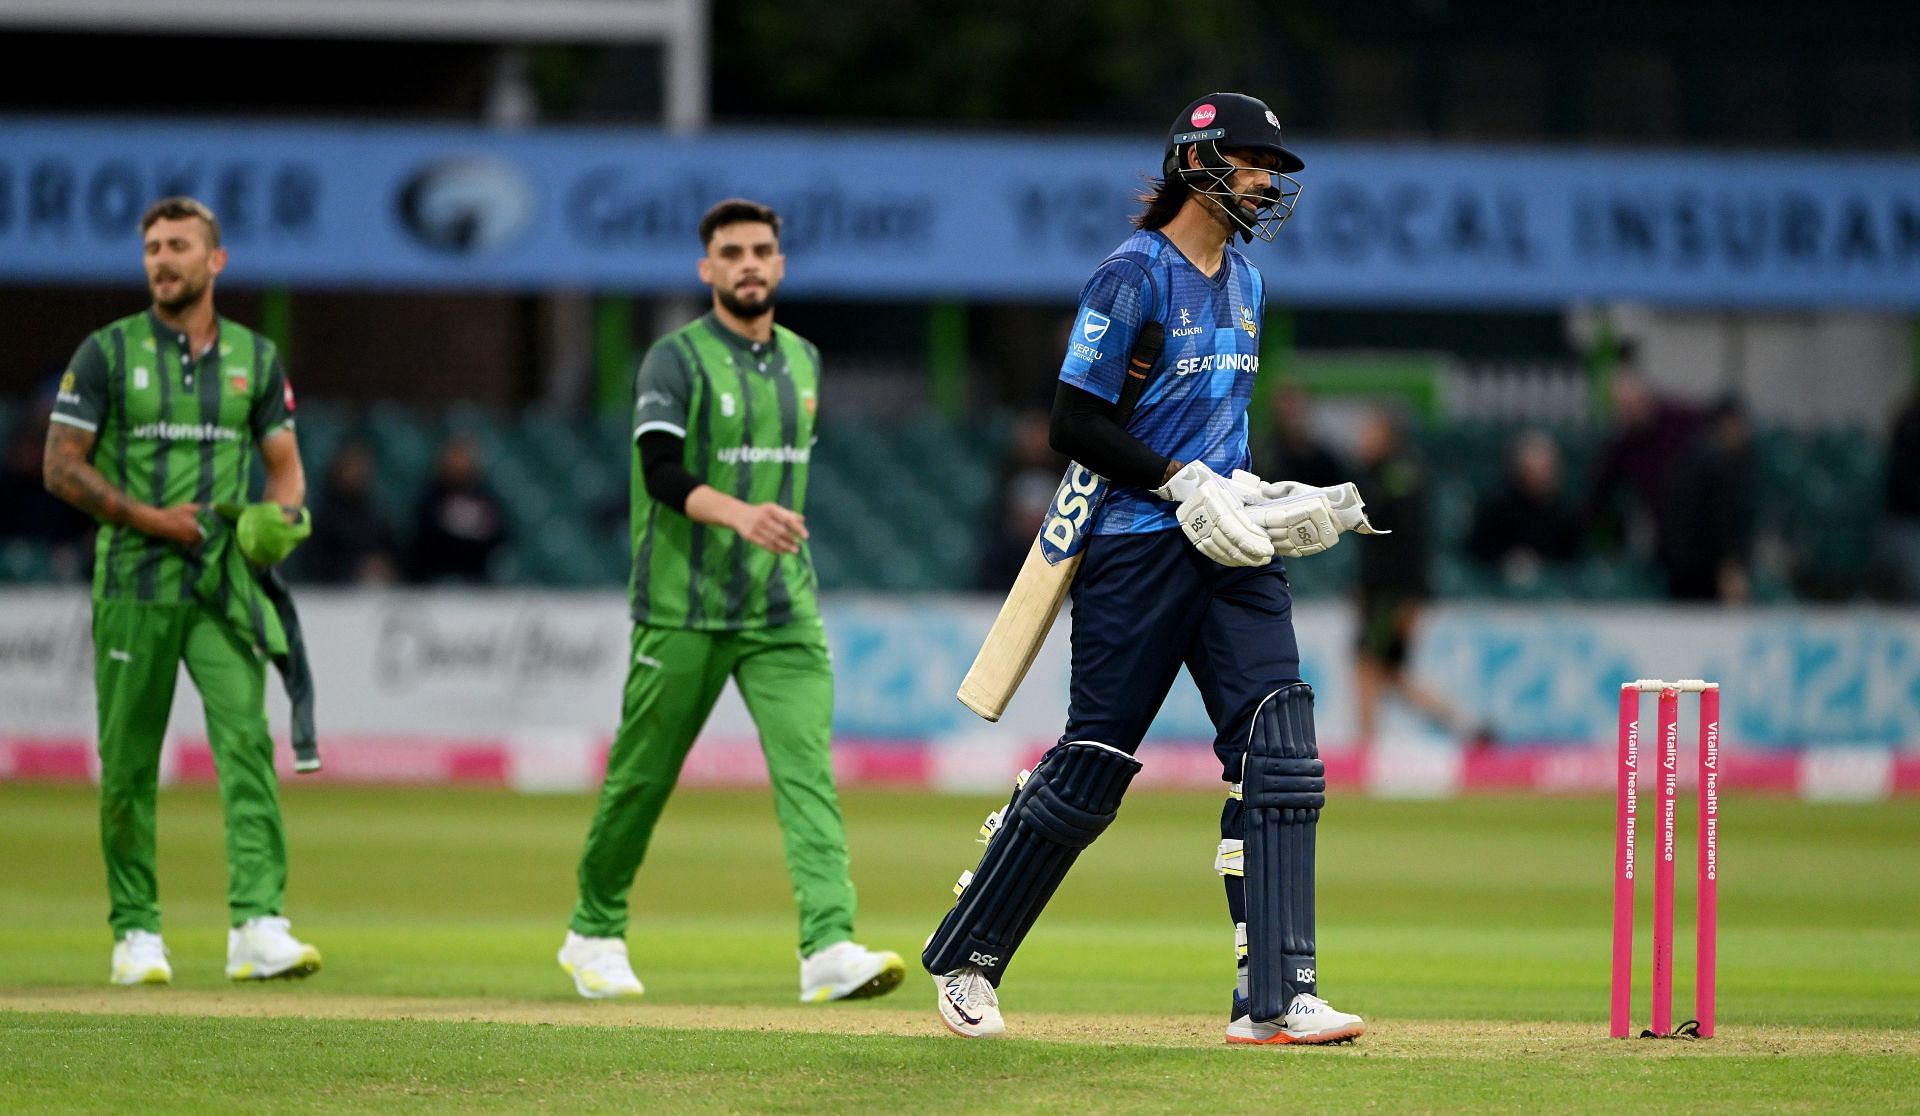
point(849, 971)
point(1309, 1019)
point(141, 958)
point(599, 967)
point(968, 1005)
point(262, 949)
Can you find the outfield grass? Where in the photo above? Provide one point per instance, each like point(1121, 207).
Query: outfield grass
point(1473, 934)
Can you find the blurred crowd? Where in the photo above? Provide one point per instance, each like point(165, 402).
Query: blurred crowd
point(1672, 488)
point(457, 529)
point(455, 533)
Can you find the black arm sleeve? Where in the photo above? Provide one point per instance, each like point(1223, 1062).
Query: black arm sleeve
point(1085, 428)
point(668, 481)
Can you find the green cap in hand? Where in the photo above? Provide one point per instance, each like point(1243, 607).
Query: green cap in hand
point(266, 536)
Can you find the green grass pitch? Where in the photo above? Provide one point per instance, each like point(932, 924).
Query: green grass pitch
point(1472, 934)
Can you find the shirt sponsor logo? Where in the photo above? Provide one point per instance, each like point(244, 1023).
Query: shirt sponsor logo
point(761, 455)
point(186, 432)
point(1094, 326)
point(237, 380)
point(653, 399)
point(1225, 362)
point(140, 377)
point(69, 392)
point(726, 404)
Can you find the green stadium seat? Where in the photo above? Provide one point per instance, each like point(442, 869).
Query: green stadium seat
point(24, 561)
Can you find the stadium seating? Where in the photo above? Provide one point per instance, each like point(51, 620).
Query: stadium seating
point(900, 505)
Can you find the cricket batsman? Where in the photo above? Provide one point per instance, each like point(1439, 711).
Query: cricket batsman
point(154, 431)
point(1179, 569)
point(723, 587)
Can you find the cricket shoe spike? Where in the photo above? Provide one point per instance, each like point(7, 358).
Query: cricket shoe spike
point(849, 971)
point(599, 967)
point(968, 1005)
point(263, 949)
point(141, 958)
point(1309, 1020)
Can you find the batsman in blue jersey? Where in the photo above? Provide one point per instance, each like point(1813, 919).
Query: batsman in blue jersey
point(1180, 569)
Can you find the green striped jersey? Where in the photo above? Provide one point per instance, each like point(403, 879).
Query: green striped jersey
point(746, 411)
point(169, 429)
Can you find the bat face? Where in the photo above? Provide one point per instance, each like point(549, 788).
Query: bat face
point(1064, 534)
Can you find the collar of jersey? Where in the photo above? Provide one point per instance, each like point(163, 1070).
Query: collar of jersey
point(735, 340)
point(162, 329)
point(1218, 280)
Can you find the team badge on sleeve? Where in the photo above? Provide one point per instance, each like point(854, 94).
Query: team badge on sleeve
point(1083, 346)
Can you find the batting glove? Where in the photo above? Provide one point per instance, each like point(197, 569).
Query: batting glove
point(1213, 513)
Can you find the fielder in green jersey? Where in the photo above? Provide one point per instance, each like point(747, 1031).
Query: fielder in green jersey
point(723, 587)
point(157, 419)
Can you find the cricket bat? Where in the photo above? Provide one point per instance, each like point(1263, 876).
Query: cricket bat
point(1034, 601)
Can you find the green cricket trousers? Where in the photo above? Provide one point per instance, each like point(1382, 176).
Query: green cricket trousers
point(673, 680)
point(137, 651)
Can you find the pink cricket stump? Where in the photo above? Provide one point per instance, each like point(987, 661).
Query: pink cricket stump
point(1708, 916)
point(1625, 805)
point(1667, 782)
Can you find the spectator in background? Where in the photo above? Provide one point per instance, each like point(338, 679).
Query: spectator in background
point(1529, 524)
point(1029, 474)
point(1626, 500)
point(28, 511)
point(1393, 585)
point(351, 543)
point(1294, 452)
point(1707, 543)
point(461, 523)
point(1900, 530)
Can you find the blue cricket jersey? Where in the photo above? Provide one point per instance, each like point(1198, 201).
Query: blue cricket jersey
point(1195, 408)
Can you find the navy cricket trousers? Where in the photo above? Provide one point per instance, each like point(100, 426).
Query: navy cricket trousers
point(1145, 604)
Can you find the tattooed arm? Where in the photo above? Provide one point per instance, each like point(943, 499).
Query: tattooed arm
point(286, 479)
point(69, 475)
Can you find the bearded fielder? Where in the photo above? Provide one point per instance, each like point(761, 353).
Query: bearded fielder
point(1179, 569)
point(155, 428)
point(723, 587)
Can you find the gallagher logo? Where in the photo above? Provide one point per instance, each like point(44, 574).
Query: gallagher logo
point(465, 206)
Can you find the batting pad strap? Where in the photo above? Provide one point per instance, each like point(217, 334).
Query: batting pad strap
point(1070, 799)
point(1231, 859)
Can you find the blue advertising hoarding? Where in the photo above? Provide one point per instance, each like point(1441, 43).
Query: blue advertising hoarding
point(879, 215)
